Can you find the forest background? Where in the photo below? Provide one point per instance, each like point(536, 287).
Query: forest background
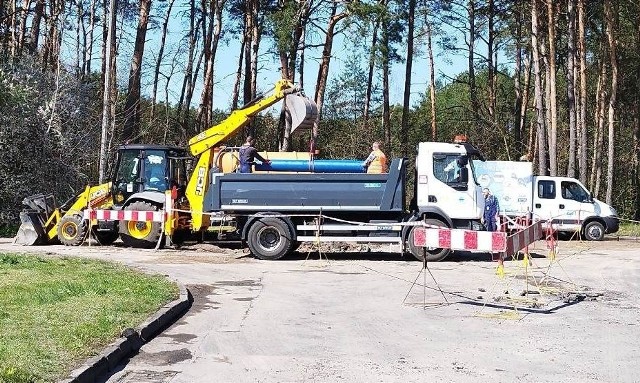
point(553, 82)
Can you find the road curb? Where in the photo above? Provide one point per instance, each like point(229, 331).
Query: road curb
point(131, 340)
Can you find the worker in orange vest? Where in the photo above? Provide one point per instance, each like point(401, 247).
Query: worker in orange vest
point(376, 163)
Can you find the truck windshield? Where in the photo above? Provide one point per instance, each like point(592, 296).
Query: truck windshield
point(573, 191)
point(446, 168)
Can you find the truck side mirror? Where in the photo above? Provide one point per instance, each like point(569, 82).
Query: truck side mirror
point(464, 175)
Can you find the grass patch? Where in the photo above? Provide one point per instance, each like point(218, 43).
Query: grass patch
point(56, 312)
point(629, 229)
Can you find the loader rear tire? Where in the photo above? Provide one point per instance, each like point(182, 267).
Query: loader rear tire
point(269, 238)
point(72, 230)
point(140, 234)
point(432, 255)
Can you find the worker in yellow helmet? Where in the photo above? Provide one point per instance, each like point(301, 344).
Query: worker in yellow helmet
point(376, 163)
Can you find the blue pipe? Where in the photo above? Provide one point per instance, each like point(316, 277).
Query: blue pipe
point(316, 166)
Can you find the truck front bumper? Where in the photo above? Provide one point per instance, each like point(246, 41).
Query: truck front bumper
point(612, 224)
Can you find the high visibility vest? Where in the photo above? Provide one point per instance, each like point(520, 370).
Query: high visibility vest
point(379, 164)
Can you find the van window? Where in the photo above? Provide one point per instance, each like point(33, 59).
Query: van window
point(547, 189)
point(573, 191)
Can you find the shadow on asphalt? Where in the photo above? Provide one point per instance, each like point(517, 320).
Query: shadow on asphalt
point(457, 256)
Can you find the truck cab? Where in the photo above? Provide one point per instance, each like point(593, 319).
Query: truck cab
point(446, 184)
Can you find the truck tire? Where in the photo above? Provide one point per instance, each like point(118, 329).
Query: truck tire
point(140, 234)
point(269, 238)
point(72, 230)
point(105, 237)
point(594, 231)
point(432, 255)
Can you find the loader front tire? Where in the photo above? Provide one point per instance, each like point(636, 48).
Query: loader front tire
point(140, 234)
point(72, 230)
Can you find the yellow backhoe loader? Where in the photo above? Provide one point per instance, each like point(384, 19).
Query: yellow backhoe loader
point(142, 175)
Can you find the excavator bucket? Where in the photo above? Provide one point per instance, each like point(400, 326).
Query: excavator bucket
point(302, 110)
point(37, 210)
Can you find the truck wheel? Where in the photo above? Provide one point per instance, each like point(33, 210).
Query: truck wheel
point(72, 230)
point(140, 234)
point(594, 231)
point(106, 237)
point(269, 238)
point(432, 255)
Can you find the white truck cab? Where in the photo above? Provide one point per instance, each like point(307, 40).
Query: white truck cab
point(446, 184)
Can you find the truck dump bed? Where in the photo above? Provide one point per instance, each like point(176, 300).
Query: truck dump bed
point(308, 192)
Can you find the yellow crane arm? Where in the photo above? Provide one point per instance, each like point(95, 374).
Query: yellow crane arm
point(238, 118)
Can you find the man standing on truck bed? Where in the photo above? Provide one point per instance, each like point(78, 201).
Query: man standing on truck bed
point(248, 154)
point(376, 163)
point(491, 208)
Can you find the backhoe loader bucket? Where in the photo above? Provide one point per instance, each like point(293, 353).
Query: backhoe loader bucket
point(302, 110)
point(37, 210)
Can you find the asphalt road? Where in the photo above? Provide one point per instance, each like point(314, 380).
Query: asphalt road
point(358, 317)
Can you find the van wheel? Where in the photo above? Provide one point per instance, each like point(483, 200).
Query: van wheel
point(432, 255)
point(594, 231)
point(269, 238)
point(140, 234)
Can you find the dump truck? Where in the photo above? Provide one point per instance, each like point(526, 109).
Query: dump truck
point(563, 203)
point(274, 213)
point(142, 175)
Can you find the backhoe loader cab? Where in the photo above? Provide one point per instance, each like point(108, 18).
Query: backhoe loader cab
point(147, 169)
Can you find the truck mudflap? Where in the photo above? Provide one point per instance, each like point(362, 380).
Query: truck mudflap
point(33, 219)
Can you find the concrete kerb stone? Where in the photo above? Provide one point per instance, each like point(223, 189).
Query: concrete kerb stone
point(131, 340)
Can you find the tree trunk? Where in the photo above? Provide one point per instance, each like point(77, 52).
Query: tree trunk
point(132, 110)
point(491, 65)
point(553, 111)
point(236, 84)
point(323, 70)
point(22, 28)
point(404, 128)
point(432, 82)
point(571, 89)
point(635, 178)
point(35, 26)
point(613, 61)
point(473, 91)
point(156, 72)
point(601, 100)
point(582, 101)
point(212, 34)
point(525, 103)
point(517, 81)
point(540, 128)
point(92, 24)
point(106, 93)
point(386, 108)
point(372, 62)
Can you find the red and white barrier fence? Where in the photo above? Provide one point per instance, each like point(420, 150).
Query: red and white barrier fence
point(124, 215)
point(470, 240)
point(460, 239)
point(524, 237)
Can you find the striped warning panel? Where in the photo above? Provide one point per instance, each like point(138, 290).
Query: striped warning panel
point(124, 215)
point(524, 237)
point(459, 239)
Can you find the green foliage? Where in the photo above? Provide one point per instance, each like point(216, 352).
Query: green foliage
point(55, 312)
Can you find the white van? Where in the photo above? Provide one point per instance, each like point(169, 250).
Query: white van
point(561, 201)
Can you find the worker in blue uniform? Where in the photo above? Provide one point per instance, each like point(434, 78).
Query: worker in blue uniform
point(248, 155)
point(491, 209)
